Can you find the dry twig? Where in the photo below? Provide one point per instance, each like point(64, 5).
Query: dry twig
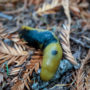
point(31, 65)
point(80, 76)
point(12, 53)
point(65, 36)
point(49, 8)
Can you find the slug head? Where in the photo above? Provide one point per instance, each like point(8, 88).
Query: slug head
point(51, 60)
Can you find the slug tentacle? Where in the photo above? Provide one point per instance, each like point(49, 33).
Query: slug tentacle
point(48, 42)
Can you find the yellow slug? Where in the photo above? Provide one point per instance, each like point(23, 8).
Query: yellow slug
point(49, 43)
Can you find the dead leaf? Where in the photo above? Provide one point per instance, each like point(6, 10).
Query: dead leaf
point(75, 10)
point(18, 86)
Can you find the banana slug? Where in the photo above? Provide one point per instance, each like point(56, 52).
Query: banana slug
point(49, 43)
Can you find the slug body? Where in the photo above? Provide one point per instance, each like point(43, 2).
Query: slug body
point(49, 43)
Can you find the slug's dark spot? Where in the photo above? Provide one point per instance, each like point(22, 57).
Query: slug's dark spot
point(54, 52)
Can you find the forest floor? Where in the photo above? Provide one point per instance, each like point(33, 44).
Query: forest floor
point(20, 64)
